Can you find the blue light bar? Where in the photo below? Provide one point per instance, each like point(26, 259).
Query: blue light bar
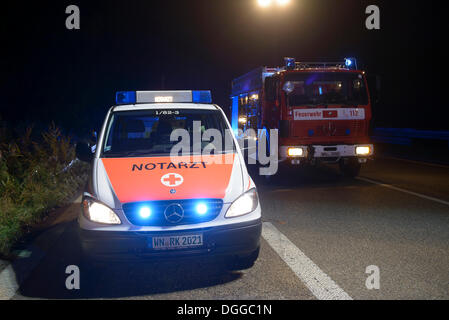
point(126, 97)
point(138, 97)
point(201, 97)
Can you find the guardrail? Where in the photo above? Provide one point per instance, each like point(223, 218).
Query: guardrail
point(407, 136)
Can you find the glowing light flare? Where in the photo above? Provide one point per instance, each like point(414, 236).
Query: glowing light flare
point(99, 213)
point(201, 209)
point(295, 152)
point(268, 3)
point(163, 99)
point(145, 212)
point(254, 97)
point(283, 2)
point(289, 87)
point(264, 3)
point(363, 151)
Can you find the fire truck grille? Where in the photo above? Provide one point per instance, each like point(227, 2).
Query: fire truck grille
point(172, 213)
point(331, 129)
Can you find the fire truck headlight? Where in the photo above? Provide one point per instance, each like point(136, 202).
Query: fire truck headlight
point(295, 152)
point(97, 212)
point(363, 151)
point(246, 204)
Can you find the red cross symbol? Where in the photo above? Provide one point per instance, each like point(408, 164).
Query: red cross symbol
point(172, 180)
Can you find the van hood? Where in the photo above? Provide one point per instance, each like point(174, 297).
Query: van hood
point(170, 178)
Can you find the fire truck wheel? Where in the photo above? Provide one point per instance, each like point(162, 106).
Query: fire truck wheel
point(350, 168)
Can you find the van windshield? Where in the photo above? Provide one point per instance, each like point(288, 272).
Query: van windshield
point(326, 88)
point(150, 133)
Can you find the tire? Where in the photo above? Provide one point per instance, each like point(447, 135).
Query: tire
point(244, 262)
point(351, 168)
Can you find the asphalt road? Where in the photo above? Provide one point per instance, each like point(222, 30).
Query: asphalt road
point(341, 225)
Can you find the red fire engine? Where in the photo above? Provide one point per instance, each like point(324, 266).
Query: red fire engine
point(322, 111)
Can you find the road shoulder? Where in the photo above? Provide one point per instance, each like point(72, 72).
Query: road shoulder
point(28, 254)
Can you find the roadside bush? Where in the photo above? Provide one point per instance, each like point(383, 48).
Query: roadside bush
point(35, 176)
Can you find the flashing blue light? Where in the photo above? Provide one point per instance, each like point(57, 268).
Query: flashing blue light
point(351, 63)
point(311, 133)
point(290, 63)
point(145, 212)
point(126, 97)
point(321, 91)
point(201, 209)
point(201, 97)
point(348, 132)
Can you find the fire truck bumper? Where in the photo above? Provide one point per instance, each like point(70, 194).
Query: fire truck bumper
point(336, 152)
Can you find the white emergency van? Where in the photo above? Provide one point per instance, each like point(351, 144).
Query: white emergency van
point(168, 180)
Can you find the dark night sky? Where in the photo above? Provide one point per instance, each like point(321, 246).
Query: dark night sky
point(52, 74)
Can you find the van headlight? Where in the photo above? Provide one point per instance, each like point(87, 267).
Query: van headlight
point(246, 204)
point(97, 212)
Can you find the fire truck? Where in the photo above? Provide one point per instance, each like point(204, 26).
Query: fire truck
point(321, 111)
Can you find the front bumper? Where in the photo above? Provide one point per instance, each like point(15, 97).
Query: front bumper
point(326, 151)
point(233, 240)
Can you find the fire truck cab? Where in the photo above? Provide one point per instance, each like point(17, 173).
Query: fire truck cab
point(322, 111)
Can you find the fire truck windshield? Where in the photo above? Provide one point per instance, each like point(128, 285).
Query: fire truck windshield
point(325, 88)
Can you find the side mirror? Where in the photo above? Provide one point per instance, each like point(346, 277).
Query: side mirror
point(83, 152)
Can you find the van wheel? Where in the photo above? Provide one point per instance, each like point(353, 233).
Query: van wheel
point(244, 262)
point(350, 168)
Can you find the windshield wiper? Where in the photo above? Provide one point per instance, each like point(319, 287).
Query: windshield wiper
point(127, 154)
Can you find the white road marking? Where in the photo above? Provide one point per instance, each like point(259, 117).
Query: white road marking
point(8, 283)
point(319, 283)
point(389, 186)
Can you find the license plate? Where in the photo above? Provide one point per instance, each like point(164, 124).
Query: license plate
point(330, 154)
point(176, 242)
